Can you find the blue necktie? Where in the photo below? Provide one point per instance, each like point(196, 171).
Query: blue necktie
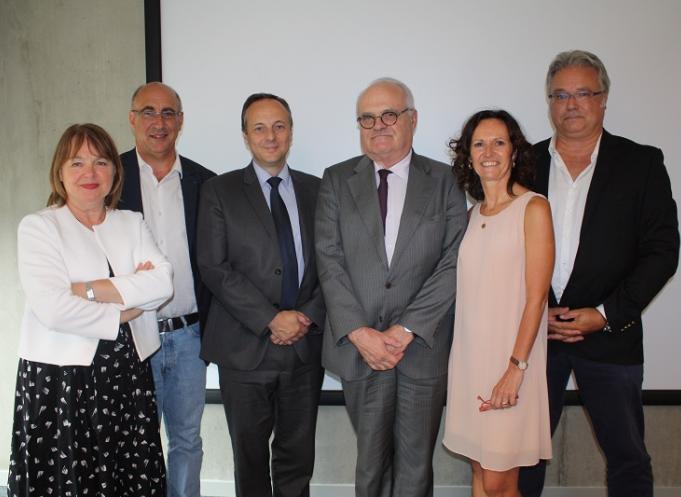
point(287, 248)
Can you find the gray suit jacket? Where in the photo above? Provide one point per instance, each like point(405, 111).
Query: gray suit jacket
point(239, 260)
point(416, 291)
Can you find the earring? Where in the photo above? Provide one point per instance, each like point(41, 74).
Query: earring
point(470, 164)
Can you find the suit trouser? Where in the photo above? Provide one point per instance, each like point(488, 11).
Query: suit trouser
point(396, 420)
point(280, 395)
point(611, 395)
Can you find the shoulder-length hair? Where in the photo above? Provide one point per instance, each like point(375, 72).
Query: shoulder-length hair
point(69, 144)
point(523, 170)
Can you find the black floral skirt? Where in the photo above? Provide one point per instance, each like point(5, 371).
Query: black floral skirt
point(87, 430)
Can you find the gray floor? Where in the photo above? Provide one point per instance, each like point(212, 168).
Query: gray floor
point(347, 491)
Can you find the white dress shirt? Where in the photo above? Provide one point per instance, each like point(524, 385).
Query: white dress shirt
point(288, 195)
point(163, 206)
point(397, 192)
point(568, 199)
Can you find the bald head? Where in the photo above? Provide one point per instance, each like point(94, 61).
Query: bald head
point(389, 82)
point(388, 105)
point(156, 120)
point(158, 86)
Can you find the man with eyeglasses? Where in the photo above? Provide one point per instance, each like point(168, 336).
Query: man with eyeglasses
point(165, 187)
point(388, 228)
point(617, 244)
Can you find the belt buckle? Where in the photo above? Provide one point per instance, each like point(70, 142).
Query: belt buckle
point(166, 325)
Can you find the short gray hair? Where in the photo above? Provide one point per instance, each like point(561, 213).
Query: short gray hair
point(156, 83)
point(408, 95)
point(578, 58)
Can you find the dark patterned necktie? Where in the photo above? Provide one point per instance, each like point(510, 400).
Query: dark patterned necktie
point(287, 248)
point(383, 193)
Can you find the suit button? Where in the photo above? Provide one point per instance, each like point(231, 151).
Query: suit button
point(388, 285)
point(277, 271)
point(380, 319)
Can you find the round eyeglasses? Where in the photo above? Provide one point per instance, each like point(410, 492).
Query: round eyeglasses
point(389, 118)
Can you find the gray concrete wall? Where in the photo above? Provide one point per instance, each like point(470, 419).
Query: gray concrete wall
point(78, 60)
point(61, 62)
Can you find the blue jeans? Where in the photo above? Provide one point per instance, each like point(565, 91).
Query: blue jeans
point(180, 381)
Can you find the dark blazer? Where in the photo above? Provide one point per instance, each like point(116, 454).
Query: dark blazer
point(193, 176)
point(239, 259)
point(416, 291)
point(628, 245)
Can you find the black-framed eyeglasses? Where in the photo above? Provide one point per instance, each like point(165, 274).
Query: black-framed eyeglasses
point(389, 118)
point(151, 114)
point(580, 95)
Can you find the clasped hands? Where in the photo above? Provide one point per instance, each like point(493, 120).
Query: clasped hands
point(571, 325)
point(381, 350)
point(288, 327)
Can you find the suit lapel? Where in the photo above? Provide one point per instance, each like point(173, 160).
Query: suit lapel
point(131, 196)
point(420, 187)
point(599, 181)
point(190, 196)
point(306, 210)
point(541, 181)
point(362, 187)
point(255, 197)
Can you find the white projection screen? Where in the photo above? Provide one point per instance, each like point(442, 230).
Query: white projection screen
point(458, 57)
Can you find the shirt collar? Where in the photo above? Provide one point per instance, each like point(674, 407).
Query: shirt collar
point(594, 154)
point(401, 168)
point(263, 175)
point(555, 154)
point(177, 165)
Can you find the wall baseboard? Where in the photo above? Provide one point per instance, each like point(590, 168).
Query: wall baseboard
point(225, 488)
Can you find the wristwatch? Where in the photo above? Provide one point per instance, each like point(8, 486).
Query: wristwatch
point(89, 292)
point(522, 365)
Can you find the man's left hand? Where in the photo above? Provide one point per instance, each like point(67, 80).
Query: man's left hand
point(305, 323)
point(581, 322)
point(400, 335)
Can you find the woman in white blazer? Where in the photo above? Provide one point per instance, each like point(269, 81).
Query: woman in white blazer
point(85, 417)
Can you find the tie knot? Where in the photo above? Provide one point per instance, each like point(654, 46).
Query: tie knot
point(383, 173)
point(274, 182)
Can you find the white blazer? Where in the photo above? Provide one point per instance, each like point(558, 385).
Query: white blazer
point(55, 250)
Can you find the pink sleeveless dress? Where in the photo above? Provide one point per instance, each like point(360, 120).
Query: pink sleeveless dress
point(490, 298)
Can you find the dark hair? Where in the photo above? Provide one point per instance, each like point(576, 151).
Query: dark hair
point(523, 170)
point(263, 96)
point(69, 144)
